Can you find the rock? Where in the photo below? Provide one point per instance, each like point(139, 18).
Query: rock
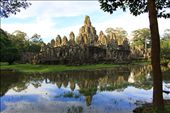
point(43, 47)
point(88, 32)
point(87, 48)
point(58, 41)
point(53, 43)
point(72, 39)
point(64, 41)
point(102, 39)
point(126, 44)
point(87, 21)
point(80, 40)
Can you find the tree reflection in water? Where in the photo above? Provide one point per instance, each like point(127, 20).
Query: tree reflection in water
point(87, 83)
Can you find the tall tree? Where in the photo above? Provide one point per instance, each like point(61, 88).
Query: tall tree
point(165, 45)
point(20, 40)
point(118, 31)
point(141, 39)
point(119, 34)
point(8, 51)
point(35, 43)
point(36, 38)
point(166, 35)
point(4, 40)
point(154, 8)
point(12, 6)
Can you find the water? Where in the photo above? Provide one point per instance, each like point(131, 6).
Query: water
point(117, 90)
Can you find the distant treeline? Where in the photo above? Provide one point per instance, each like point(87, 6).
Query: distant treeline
point(13, 46)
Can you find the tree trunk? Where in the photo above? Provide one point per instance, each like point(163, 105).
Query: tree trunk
point(155, 57)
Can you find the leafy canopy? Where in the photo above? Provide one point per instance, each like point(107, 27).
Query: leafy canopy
point(13, 46)
point(119, 32)
point(9, 52)
point(141, 36)
point(12, 7)
point(166, 34)
point(165, 45)
point(136, 7)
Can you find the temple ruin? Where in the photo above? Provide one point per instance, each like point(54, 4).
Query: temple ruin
point(86, 48)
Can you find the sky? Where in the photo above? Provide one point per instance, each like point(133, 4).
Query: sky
point(52, 18)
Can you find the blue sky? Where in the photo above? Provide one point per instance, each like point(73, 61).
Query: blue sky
point(50, 18)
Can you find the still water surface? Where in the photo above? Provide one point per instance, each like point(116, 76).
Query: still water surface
point(117, 90)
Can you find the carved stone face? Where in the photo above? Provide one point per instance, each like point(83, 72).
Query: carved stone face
point(87, 21)
point(58, 41)
point(103, 46)
point(72, 39)
point(53, 43)
point(64, 41)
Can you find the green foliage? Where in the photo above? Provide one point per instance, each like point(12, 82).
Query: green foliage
point(118, 31)
point(88, 92)
point(119, 34)
point(36, 38)
point(35, 43)
point(9, 54)
point(155, 8)
point(21, 41)
point(33, 47)
point(136, 7)
point(165, 45)
point(4, 40)
point(147, 108)
point(115, 86)
point(141, 38)
point(71, 95)
point(167, 108)
point(30, 68)
point(12, 7)
point(75, 109)
point(24, 44)
point(18, 43)
point(166, 34)
point(18, 39)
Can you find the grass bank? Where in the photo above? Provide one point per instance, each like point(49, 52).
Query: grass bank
point(30, 68)
point(140, 62)
point(147, 108)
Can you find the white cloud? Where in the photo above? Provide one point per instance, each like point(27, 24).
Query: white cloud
point(45, 11)
point(58, 8)
point(131, 23)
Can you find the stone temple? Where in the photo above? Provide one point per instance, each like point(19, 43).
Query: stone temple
point(86, 48)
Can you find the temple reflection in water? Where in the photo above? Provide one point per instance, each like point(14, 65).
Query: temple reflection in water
point(86, 83)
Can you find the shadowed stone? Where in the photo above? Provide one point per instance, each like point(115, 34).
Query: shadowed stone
point(72, 39)
point(64, 41)
point(53, 43)
point(87, 48)
point(58, 41)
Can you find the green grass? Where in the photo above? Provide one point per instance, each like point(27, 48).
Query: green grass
point(75, 109)
point(142, 62)
point(167, 108)
point(30, 68)
point(69, 95)
point(149, 109)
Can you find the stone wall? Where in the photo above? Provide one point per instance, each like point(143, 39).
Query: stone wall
point(87, 47)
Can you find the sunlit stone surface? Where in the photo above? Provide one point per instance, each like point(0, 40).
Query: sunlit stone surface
point(87, 47)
